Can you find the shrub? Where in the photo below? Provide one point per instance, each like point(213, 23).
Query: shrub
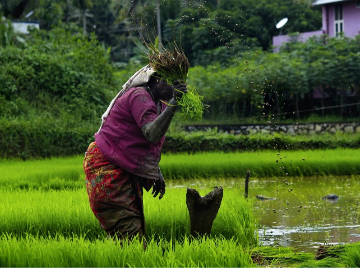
point(56, 72)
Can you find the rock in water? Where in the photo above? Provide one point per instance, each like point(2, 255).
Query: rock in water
point(261, 197)
point(330, 197)
point(203, 210)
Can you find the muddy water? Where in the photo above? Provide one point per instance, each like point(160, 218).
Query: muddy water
point(300, 218)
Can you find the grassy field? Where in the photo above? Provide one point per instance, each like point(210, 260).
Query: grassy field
point(57, 228)
point(262, 164)
point(67, 212)
point(66, 173)
point(46, 219)
point(78, 252)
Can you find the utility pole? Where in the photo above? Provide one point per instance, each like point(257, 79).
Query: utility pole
point(158, 22)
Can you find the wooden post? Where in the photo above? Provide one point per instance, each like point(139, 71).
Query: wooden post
point(248, 173)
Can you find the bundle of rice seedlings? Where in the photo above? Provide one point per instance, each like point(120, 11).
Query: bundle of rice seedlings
point(172, 64)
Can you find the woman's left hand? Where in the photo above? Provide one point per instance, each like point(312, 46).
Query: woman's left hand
point(159, 186)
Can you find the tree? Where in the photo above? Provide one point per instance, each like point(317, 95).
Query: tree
point(50, 13)
point(79, 10)
point(8, 36)
point(16, 9)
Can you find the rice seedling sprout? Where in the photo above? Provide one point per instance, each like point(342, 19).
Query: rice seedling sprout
point(172, 64)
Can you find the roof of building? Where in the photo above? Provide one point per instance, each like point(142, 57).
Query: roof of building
point(22, 26)
point(324, 2)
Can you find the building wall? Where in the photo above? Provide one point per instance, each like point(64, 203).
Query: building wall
point(22, 27)
point(331, 20)
point(325, 19)
point(281, 39)
point(351, 16)
point(351, 19)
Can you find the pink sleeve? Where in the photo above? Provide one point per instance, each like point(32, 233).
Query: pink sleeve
point(143, 108)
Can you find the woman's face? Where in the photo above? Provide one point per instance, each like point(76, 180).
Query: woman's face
point(163, 90)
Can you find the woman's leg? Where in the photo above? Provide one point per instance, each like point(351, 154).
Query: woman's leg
point(115, 196)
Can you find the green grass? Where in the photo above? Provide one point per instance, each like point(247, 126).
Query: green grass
point(60, 173)
point(78, 252)
point(287, 257)
point(57, 228)
point(55, 173)
point(44, 224)
point(68, 213)
point(262, 164)
point(351, 256)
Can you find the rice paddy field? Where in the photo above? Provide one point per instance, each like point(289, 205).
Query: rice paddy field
point(46, 219)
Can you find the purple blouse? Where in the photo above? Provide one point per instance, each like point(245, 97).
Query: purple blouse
point(121, 140)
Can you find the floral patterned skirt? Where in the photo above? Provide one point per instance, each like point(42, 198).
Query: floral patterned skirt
point(115, 195)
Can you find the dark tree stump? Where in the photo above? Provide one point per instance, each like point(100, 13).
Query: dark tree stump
point(203, 210)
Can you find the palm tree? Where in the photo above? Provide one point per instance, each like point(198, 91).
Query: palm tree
point(79, 9)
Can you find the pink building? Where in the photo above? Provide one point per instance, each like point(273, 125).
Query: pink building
point(338, 16)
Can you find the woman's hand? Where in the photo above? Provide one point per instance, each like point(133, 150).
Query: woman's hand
point(159, 186)
point(179, 89)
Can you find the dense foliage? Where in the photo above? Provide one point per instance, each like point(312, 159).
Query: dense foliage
point(219, 32)
point(38, 139)
point(55, 76)
point(55, 84)
point(204, 27)
point(303, 78)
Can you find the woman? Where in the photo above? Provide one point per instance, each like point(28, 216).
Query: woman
point(125, 155)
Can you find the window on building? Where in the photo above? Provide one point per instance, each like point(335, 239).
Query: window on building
point(339, 21)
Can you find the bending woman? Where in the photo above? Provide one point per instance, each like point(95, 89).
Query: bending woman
point(125, 156)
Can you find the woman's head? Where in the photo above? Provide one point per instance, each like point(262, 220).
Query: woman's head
point(160, 88)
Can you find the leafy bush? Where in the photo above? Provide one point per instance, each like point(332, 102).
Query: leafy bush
point(47, 138)
point(55, 72)
point(213, 141)
point(41, 139)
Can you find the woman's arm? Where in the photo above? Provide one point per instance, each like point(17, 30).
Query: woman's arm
point(155, 130)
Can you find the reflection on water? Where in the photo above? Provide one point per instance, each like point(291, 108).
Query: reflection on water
point(299, 217)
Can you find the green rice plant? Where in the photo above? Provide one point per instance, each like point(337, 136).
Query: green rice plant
point(39, 212)
point(172, 64)
point(55, 173)
point(279, 256)
point(351, 257)
point(57, 251)
point(192, 106)
point(166, 219)
point(60, 173)
point(261, 164)
point(235, 218)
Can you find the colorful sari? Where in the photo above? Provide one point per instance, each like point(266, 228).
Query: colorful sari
point(115, 195)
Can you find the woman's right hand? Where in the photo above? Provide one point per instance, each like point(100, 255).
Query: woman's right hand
point(159, 186)
point(179, 89)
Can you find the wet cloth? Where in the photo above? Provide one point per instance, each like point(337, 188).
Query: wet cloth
point(115, 195)
point(121, 139)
